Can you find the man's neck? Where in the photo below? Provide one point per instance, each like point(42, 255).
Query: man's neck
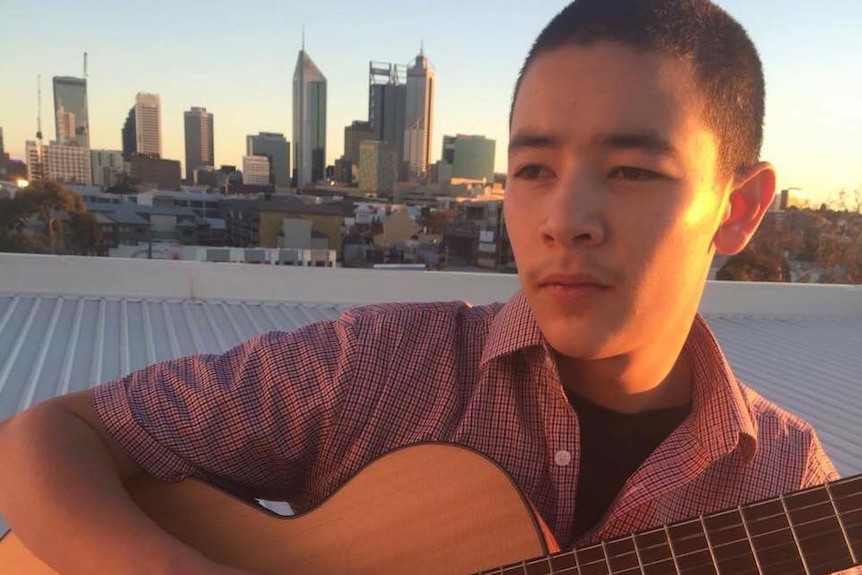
point(630, 384)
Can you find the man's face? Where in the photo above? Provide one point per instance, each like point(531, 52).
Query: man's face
point(612, 197)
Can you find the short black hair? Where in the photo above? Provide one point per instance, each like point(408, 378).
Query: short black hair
point(725, 62)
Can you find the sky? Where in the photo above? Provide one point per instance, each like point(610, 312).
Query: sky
point(237, 60)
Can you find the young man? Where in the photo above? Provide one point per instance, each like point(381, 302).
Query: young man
point(633, 158)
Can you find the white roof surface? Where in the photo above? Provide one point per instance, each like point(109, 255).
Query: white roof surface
point(67, 323)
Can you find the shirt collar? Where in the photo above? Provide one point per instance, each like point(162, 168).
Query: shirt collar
point(721, 418)
point(721, 415)
point(514, 328)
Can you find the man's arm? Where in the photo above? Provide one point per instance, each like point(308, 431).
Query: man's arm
point(61, 490)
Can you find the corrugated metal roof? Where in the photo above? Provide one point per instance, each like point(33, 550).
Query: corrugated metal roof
point(51, 345)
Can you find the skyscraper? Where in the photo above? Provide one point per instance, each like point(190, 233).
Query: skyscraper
point(354, 135)
point(148, 125)
point(200, 148)
point(130, 146)
point(309, 121)
point(275, 147)
point(71, 118)
point(387, 101)
point(67, 163)
point(255, 171)
point(419, 116)
point(35, 164)
point(472, 157)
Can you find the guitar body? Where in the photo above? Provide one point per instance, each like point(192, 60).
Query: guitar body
point(434, 509)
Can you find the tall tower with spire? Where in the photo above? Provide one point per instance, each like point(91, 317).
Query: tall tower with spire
point(419, 115)
point(309, 120)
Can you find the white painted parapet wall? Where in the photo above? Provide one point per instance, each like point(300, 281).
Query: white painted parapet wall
point(137, 278)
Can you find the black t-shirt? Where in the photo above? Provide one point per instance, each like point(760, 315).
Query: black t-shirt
point(613, 446)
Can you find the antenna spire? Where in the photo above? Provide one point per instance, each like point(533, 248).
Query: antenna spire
point(422, 47)
point(303, 37)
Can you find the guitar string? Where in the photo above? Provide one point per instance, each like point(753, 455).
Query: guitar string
point(720, 530)
point(578, 569)
point(723, 529)
point(761, 550)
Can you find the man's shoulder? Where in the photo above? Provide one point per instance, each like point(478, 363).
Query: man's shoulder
point(774, 420)
point(420, 314)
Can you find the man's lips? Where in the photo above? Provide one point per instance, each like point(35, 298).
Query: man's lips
point(573, 281)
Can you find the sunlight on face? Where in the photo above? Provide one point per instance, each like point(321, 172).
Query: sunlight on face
point(612, 201)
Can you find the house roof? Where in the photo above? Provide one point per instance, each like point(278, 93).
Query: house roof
point(67, 323)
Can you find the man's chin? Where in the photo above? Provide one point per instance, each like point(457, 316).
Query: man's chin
point(577, 339)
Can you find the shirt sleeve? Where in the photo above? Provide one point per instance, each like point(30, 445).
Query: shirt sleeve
point(819, 468)
point(250, 420)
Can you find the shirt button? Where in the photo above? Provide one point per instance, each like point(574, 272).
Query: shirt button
point(562, 458)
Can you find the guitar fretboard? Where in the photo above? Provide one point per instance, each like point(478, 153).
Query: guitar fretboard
point(816, 531)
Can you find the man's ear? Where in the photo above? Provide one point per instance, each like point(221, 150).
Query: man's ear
point(749, 200)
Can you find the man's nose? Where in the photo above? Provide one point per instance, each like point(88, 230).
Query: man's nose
point(574, 212)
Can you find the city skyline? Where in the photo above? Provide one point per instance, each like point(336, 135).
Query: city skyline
point(309, 120)
point(812, 72)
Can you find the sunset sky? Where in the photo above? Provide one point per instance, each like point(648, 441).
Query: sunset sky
point(237, 60)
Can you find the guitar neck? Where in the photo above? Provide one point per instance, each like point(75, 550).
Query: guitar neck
point(811, 532)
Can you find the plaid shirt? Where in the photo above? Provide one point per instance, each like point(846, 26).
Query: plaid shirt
point(292, 416)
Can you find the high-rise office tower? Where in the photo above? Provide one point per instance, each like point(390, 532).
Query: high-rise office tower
point(35, 163)
point(275, 147)
point(71, 118)
point(67, 163)
point(148, 125)
point(387, 104)
point(309, 121)
point(354, 135)
point(472, 157)
point(419, 116)
point(255, 171)
point(130, 146)
point(200, 148)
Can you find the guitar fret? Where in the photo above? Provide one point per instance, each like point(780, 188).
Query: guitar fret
point(848, 499)
point(638, 554)
point(691, 548)
point(607, 558)
point(654, 554)
point(593, 560)
point(750, 541)
point(795, 536)
point(841, 524)
point(770, 534)
point(672, 551)
point(816, 526)
point(709, 543)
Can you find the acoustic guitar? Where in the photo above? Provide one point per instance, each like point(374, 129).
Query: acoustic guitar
point(439, 509)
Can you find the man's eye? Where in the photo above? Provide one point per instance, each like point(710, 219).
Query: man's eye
point(532, 172)
point(635, 174)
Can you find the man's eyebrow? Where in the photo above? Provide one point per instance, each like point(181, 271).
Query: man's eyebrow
point(533, 140)
point(651, 142)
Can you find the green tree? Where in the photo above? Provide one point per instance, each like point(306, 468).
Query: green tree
point(48, 204)
point(86, 234)
point(125, 185)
